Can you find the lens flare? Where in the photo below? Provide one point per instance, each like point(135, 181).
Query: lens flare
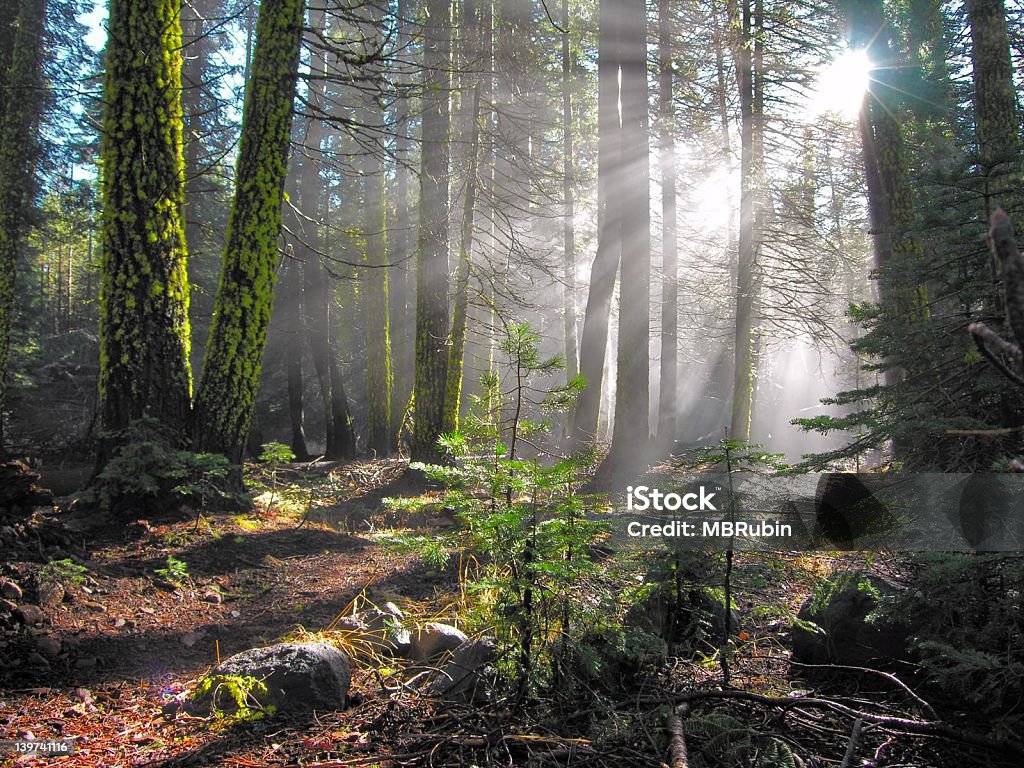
point(841, 84)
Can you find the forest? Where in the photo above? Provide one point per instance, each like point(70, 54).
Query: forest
point(512, 382)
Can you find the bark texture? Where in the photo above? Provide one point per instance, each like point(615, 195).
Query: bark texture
point(144, 327)
point(234, 354)
point(432, 260)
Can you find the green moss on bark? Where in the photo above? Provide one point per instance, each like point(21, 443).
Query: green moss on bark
point(144, 294)
point(234, 352)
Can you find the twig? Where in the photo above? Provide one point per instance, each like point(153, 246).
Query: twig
point(886, 675)
point(676, 739)
point(907, 725)
point(851, 746)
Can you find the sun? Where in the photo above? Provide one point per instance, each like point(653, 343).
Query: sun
point(840, 85)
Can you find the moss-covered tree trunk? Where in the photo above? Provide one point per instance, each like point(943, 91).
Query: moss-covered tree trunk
point(432, 259)
point(144, 328)
point(21, 62)
point(471, 140)
point(996, 119)
point(234, 352)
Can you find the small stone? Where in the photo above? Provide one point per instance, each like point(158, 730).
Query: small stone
point(83, 694)
point(119, 623)
point(51, 594)
point(213, 597)
point(235, 614)
point(96, 607)
point(11, 590)
point(29, 614)
point(191, 638)
point(48, 646)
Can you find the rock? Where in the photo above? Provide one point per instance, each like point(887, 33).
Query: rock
point(6, 606)
point(18, 489)
point(48, 646)
point(11, 591)
point(464, 678)
point(35, 660)
point(833, 626)
point(51, 594)
point(95, 607)
point(384, 630)
point(282, 677)
point(28, 614)
point(213, 597)
point(432, 641)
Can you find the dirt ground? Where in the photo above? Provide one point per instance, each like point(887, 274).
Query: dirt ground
point(130, 636)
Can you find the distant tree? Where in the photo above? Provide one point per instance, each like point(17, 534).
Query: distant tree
point(569, 203)
point(144, 328)
point(401, 256)
point(22, 25)
point(319, 308)
point(669, 373)
point(594, 340)
point(234, 356)
point(470, 133)
point(748, 18)
point(432, 259)
point(632, 196)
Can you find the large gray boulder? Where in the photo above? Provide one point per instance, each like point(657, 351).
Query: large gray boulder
point(433, 641)
point(286, 676)
point(464, 678)
point(838, 625)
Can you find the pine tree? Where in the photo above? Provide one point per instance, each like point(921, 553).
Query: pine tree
point(432, 259)
point(632, 195)
point(997, 122)
point(144, 327)
point(234, 352)
point(21, 66)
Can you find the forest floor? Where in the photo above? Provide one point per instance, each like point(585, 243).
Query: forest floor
point(134, 631)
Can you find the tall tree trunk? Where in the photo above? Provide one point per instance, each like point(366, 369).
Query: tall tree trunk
point(144, 328)
point(375, 283)
point(750, 169)
point(997, 122)
point(471, 135)
point(293, 361)
point(234, 353)
point(401, 253)
point(432, 259)
point(569, 211)
point(669, 379)
point(22, 36)
point(632, 395)
point(594, 341)
point(318, 304)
